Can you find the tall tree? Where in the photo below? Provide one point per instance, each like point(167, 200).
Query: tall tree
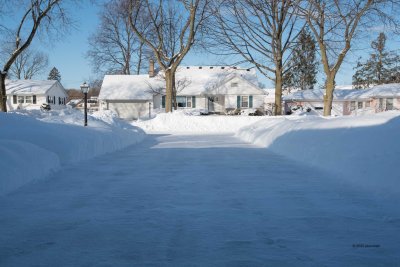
point(261, 32)
point(334, 24)
point(54, 75)
point(37, 14)
point(303, 63)
point(170, 33)
point(380, 68)
point(29, 64)
point(114, 48)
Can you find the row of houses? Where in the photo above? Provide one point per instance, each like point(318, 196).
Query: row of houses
point(208, 89)
point(347, 102)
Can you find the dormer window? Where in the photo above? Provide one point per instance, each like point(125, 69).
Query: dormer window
point(234, 84)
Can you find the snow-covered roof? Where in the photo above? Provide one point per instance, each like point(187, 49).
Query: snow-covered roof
point(193, 80)
point(29, 86)
point(127, 87)
point(385, 90)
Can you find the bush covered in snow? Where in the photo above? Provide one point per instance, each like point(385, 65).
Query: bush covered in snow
point(33, 143)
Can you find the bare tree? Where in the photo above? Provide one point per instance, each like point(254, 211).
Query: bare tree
point(334, 24)
point(170, 33)
point(114, 48)
point(261, 32)
point(29, 64)
point(38, 14)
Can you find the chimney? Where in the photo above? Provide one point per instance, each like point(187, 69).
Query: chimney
point(151, 68)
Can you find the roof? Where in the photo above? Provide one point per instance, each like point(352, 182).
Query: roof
point(29, 86)
point(379, 91)
point(190, 80)
point(117, 87)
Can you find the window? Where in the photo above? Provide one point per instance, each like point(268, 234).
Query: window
point(380, 103)
point(245, 102)
point(189, 102)
point(360, 105)
point(181, 101)
point(367, 104)
point(352, 105)
point(20, 99)
point(389, 103)
point(14, 99)
point(28, 99)
point(234, 84)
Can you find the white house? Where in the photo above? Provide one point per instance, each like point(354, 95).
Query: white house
point(348, 102)
point(30, 94)
point(210, 89)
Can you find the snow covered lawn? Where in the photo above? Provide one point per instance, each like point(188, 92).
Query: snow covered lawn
point(362, 150)
point(34, 143)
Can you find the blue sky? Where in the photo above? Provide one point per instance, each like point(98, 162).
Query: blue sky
point(68, 53)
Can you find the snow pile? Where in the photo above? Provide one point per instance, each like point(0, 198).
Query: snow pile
point(34, 143)
point(363, 150)
point(180, 122)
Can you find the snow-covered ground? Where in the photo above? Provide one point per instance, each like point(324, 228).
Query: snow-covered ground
point(181, 122)
point(306, 191)
point(35, 143)
point(190, 200)
point(363, 150)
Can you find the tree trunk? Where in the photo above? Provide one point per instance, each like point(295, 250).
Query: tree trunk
point(328, 96)
point(278, 91)
point(174, 103)
point(3, 95)
point(169, 78)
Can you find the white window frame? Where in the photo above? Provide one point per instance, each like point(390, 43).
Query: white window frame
point(358, 105)
point(28, 99)
point(20, 99)
point(189, 102)
point(241, 100)
point(352, 105)
point(235, 84)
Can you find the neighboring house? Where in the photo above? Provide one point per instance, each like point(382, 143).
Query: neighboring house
point(30, 94)
point(209, 89)
point(348, 102)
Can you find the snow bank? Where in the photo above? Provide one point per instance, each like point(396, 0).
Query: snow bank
point(180, 122)
point(34, 143)
point(363, 150)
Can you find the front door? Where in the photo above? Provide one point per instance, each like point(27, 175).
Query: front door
point(216, 104)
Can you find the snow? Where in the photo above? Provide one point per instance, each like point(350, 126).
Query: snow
point(285, 191)
point(185, 122)
point(385, 90)
point(29, 87)
point(361, 150)
point(196, 80)
point(128, 87)
point(196, 200)
point(34, 144)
